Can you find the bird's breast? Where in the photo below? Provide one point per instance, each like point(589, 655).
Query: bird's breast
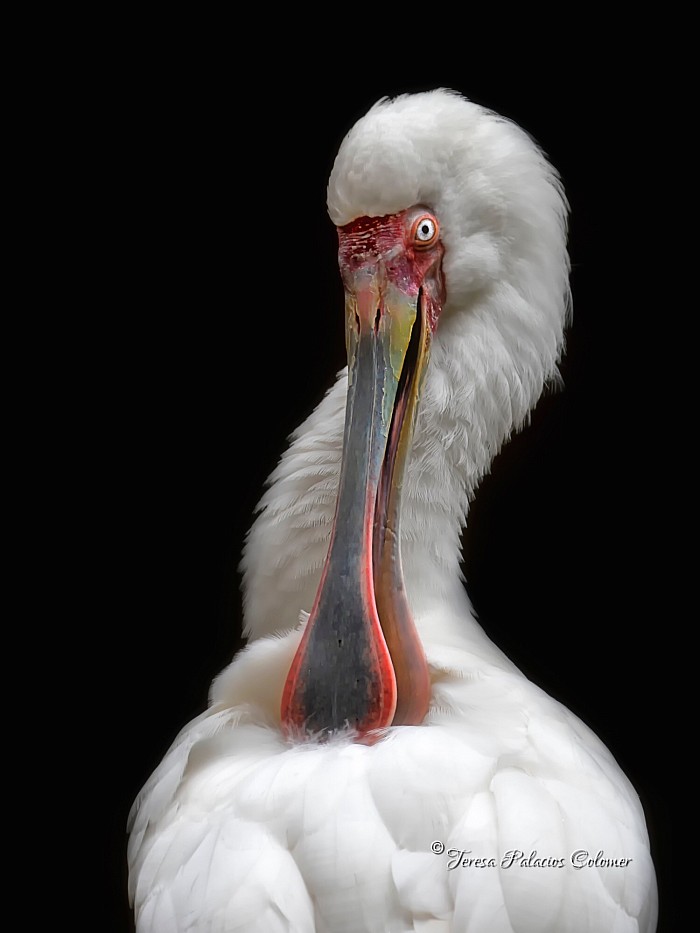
point(240, 822)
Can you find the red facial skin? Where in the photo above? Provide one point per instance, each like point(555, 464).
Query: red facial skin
point(408, 264)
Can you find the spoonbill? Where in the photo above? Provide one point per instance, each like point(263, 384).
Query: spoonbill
point(371, 761)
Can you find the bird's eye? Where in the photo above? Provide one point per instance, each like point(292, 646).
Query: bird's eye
point(424, 231)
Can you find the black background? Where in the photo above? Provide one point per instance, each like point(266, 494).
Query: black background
point(221, 327)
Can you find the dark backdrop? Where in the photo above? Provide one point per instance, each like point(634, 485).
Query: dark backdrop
point(221, 329)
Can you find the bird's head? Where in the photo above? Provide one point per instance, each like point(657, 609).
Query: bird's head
point(445, 212)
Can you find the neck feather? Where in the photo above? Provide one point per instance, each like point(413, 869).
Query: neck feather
point(486, 372)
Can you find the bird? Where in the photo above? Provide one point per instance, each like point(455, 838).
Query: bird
point(370, 760)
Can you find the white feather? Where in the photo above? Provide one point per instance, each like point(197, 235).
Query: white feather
point(239, 829)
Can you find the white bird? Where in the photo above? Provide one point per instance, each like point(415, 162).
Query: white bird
point(379, 765)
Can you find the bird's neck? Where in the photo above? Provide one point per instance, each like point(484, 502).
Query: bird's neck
point(479, 387)
point(460, 426)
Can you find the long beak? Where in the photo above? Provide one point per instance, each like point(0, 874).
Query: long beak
point(360, 663)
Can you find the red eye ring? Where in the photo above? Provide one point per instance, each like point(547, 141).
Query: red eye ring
point(425, 231)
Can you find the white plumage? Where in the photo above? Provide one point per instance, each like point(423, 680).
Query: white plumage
point(240, 828)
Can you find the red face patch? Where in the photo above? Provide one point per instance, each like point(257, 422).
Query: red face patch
point(406, 247)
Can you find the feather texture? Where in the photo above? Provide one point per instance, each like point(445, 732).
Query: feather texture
point(471, 821)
